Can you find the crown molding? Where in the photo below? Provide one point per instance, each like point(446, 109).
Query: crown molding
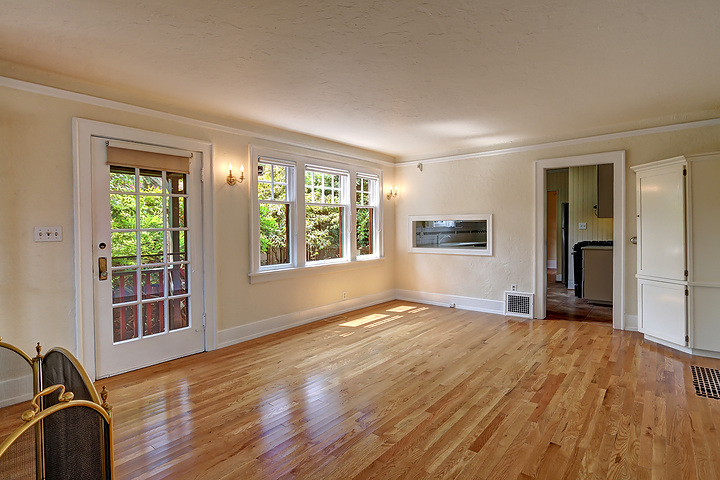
point(562, 143)
point(148, 112)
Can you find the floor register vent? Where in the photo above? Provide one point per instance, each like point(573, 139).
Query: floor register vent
point(706, 381)
point(519, 304)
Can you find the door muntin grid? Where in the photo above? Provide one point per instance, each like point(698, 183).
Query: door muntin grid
point(149, 252)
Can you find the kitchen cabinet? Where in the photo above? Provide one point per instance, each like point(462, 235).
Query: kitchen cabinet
point(678, 260)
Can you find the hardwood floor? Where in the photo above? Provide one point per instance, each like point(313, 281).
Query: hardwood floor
point(562, 304)
point(410, 391)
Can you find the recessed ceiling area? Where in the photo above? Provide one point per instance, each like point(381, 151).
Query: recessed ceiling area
point(410, 79)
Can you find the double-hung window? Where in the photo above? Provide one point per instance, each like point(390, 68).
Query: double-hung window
point(310, 212)
point(275, 206)
point(326, 206)
point(367, 201)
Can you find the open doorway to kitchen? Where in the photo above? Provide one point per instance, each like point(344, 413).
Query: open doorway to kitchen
point(583, 278)
point(579, 231)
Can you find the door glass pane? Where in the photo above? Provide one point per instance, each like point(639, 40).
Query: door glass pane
point(152, 282)
point(176, 246)
point(124, 286)
point(274, 234)
point(150, 181)
point(153, 315)
point(177, 280)
point(176, 212)
point(122, 211)
point(123, 248)
point(178, 313)
point(122, 179)
point(125, 323)
point(151, 211)
point(176, 183)
point(151, 244)
point(155, 203)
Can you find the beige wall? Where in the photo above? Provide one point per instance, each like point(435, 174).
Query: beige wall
point(504, 186)
point(37, 280)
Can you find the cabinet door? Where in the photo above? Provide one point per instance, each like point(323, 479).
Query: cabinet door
point(661, 223)
point(663, 310)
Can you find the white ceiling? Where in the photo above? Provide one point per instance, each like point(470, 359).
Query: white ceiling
point(406, 78)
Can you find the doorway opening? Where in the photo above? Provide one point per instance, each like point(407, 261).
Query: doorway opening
point(579, 230)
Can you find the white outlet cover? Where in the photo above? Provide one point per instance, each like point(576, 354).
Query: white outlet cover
point(582, 226)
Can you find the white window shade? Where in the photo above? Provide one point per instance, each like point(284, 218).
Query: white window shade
point(151, 157)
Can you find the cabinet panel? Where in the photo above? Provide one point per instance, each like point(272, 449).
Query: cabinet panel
point(705, 312)
point(705, 196)
point(661, 224)
point(663, 310)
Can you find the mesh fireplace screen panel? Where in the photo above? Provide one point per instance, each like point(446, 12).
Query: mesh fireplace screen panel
point(75, 445)
point(19, 462)
point(58, 369)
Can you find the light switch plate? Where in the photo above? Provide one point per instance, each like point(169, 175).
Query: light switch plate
point(48, 234)
point(582, 226)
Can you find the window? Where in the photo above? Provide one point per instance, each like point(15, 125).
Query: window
point(451, 234)
point(274, 205)
point(325, 210)
point(309, 212)
point(366, 199)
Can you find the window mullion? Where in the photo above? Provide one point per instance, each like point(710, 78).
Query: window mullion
point(299, 241)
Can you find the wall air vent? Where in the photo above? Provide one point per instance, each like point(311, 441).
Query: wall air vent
point(519, 304)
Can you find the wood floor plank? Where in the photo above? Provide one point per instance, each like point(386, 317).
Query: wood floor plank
point(402, 390)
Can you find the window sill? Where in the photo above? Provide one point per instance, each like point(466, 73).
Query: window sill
point(285, 273)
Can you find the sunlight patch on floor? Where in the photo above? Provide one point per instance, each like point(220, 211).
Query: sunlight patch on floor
point(382, 322)
point(363, 320)
point(401, 308)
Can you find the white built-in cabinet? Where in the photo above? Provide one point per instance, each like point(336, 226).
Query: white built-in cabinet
point(678, 265)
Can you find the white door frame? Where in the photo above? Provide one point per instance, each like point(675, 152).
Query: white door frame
point(83, 131)
point(541, 166)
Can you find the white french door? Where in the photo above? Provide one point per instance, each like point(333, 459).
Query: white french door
point(147, 253)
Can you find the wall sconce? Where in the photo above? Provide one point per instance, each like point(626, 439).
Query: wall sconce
point(392, 193)
point(231, 179)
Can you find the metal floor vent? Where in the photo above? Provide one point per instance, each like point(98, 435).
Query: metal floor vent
point(706, 381)
point(519, 304)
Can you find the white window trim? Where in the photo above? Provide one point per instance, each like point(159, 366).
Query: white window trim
point(375, 204)
point(298, 265)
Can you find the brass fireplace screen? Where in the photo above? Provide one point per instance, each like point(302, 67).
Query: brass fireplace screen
point(53, 423)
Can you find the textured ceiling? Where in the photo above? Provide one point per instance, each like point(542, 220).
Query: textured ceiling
point(406, 78)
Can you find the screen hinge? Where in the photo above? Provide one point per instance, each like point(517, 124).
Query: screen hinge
point(202, 174)
point(684, 172)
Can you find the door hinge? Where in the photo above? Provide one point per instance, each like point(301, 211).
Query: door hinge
point(687, 294)
point(204, 317)
point(202, 174)
point(687, 339)
point(684, 172)
point(686, 273)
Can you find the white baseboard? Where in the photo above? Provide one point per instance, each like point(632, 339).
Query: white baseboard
point(667, 343)
point(15, 390)
point(631, 323)
point(552, 264)
point(243, 333)
point(464, 303)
